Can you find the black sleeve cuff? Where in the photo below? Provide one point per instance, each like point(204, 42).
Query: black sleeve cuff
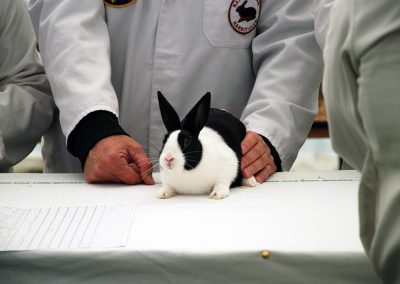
point(274, 153)
point(91, 129)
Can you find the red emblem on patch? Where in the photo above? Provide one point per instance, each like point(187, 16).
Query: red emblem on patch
point(243, 15)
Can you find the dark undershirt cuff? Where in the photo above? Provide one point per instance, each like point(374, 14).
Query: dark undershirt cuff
point(274, 153)
point(91, 129)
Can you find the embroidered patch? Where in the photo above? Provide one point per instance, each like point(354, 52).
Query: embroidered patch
point(244, 14)
point(118, 3)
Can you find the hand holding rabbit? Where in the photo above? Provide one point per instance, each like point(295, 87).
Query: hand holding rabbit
point(257, 159)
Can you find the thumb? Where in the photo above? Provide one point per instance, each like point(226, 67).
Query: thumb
point(143, 166)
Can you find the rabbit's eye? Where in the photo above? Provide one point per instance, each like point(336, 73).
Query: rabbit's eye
point(187, 141)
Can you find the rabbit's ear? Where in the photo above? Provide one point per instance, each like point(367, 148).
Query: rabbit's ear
point(168, 114)
point(197, 117)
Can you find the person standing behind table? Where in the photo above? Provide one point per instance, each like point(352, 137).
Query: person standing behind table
point(362, 91)
point(107, 60)
point(322, 10)
point(26, 107)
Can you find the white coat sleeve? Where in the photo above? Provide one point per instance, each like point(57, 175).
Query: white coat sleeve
point(26, 106)
point(288, 63)
point(74, 43)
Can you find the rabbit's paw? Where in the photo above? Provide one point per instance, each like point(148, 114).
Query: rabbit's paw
point(165, 192)
point(219, 191)
point(250, 182)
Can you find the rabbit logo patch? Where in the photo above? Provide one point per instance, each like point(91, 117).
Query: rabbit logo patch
point(243, 15)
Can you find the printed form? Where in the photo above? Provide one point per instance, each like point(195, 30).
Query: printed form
point(71, 227)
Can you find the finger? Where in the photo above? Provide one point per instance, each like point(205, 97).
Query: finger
point(147, 174)
point(265, 173)
point(143, 165)
point(256, 166)
point(254, 154)
point(128, 175)
point(248, 142)
point(133, 166)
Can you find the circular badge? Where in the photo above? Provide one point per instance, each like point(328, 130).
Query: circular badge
point(118, 3)
point(243, 15)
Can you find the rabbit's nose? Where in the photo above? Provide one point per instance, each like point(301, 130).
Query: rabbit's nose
point(169, 160)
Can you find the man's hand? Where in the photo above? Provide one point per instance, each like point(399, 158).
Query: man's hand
point(257, 159)
point(119, 159)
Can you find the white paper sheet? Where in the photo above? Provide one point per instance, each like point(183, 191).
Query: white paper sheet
point(23, 228)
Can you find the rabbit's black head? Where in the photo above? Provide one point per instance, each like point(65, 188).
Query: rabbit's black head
point(190, 127)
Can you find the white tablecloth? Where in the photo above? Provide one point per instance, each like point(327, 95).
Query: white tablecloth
point(307, 221)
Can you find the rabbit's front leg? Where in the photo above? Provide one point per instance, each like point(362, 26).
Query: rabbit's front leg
point(220, 191)
point(165, 192)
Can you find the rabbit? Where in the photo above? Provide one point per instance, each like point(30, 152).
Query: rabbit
point(246, 14)
point(201, 154)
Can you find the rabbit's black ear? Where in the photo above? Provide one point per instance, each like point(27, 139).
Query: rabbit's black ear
point(197, 117)
point(168, 114)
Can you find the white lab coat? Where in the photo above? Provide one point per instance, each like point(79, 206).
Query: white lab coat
point(116, 59)
point(26, 106)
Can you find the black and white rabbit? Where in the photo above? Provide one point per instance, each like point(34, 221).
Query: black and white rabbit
point(201, 154)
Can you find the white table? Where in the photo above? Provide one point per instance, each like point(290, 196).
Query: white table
point(308, 222)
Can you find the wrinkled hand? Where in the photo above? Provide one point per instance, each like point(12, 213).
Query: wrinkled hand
point(257, 159)
point(118, 159)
